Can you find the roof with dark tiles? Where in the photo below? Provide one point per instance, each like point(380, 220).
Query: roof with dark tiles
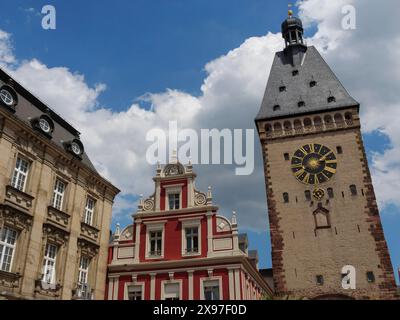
point(301, 82)
point(30, 107)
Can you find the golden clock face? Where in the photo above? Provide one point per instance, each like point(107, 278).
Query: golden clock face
point(314, 163)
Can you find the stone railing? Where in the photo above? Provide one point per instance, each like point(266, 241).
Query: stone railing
point(58, 217)
point(89, 232)
point(19, 199)
point(82, 291)
point(9, 279)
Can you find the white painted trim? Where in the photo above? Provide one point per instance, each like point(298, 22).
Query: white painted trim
point(176, 185)
point(209, 234)
point(157, 196)
point(137, 242)
point(231, 285)
point(110, 288)
point(154, 222)
point(190, 195)
point(191, 284)
point(164, 282)
point(237, 284)
point(190, 223)
point(177, 269)
point(133, 283)
point(155, 226)
point(116, 285)
point(152, 286)
point(205, 279)
point(169, 189)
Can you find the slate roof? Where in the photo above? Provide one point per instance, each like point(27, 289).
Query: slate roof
point(29, 107)
point(311, 67)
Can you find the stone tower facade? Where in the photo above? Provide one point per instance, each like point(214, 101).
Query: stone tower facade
point(322, 208)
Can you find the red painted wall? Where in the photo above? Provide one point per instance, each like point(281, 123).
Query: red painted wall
point(184, 192)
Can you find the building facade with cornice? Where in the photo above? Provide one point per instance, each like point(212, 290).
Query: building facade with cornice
point(178, 247)
point(55, 208)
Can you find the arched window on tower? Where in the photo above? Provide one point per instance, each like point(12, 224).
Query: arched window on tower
point(307, 194)
point(353, 190)
point(285, 197)
point(330, 193)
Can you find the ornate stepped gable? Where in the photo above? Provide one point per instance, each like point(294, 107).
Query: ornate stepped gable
point(178, 245)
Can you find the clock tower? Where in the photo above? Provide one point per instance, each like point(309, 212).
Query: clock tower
point(326, 233)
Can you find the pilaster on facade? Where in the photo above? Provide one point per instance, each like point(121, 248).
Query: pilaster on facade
point(182, 246)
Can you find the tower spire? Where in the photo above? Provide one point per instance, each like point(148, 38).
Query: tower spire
point(292, 30)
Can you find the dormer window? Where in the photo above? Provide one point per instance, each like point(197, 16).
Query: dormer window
point(301, 104)
point(331, 99)
point(277, 107)
point(43, 124)
point(295, 73)
point(313, 84)
point(8, 97)
point(282, 88)
point(174, 201)
point(75, 147)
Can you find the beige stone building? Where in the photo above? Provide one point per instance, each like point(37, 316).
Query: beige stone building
point(326, 234)
point(55, 209)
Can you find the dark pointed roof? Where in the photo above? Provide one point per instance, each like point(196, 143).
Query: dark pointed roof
point(289, 84)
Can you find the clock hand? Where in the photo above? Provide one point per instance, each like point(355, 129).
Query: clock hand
point(324, 157)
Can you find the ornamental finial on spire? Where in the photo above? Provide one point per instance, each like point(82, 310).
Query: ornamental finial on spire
point(290, 11)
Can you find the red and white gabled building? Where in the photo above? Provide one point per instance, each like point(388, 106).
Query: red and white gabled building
point(178, 247)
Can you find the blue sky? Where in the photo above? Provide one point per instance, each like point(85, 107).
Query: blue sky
point(141, 46)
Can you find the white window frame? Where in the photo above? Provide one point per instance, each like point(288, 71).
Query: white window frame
point(6, 245)
point(19, 174)
point(57, 193)
point(172, 190)
point(206, 279)
point(83, 272)
point(47, 261)
point(89, 212)
point(164, 296)
point(190, 223)
point(152, 226)
point(133, 284)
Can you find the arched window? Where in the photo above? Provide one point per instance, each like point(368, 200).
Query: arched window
point(338, 118)
point(348, 116)
point(268, 128)
point(307, 194)
point(288, 126)
point(317, 121)
point(330, 193)
point(353, 190)
point(285, 197)
point(328, 119)
point(277, 126)
point(307, 123)
point(297, 125)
